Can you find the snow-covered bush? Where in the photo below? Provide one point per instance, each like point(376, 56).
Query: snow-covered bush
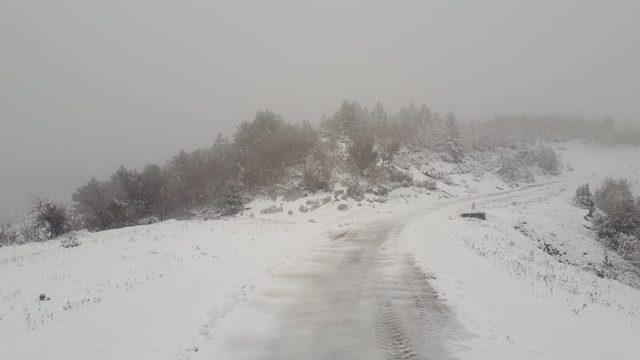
point(311, 205)
point(518, 167)
point(547, 160)
point(148, 220)
point(70, 240)
point(628, 246)
point(380, 191)
point(231, 201)
point(355, 191)
point(316, 175)
point(314, 204)
point(343, 207)
point(583, 197)
point(426, 184)
point(615, 200)
point(273, 209)
point(402, 178)
point(451, 145)
point(32, 231)
point(514, 169)
point(617, 218)
point(8, 235)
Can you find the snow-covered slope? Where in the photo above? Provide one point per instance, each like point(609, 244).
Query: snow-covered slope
point(517, 299)
point(162, 291)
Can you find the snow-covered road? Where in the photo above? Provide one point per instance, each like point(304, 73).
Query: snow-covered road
point(355, 298)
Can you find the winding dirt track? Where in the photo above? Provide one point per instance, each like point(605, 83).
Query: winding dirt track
point(358, 297)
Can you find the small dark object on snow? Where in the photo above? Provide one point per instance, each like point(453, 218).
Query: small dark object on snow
point(474, 215)
point(44, 297)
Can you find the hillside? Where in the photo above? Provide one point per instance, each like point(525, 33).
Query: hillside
point(193, 289)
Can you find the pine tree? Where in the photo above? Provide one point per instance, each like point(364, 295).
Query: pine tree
point(348, 120)
point(452, 144)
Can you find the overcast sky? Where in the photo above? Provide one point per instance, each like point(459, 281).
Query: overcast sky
point(88, 85)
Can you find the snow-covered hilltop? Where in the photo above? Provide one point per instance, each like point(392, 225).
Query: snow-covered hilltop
point(531, 281)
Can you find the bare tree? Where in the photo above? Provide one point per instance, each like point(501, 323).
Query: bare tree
point(50, 216)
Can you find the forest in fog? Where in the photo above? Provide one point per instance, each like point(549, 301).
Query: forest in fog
point(269, 156)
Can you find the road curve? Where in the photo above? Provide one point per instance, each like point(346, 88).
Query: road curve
point(355, 297)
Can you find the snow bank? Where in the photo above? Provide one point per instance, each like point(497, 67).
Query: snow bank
point(140, 292)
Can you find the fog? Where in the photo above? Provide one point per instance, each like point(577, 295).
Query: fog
point(87, 85)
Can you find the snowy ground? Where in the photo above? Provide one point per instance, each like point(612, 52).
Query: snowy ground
point(183, 289)
point(516, 300)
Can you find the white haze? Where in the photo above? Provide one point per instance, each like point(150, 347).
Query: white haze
point(88, 85)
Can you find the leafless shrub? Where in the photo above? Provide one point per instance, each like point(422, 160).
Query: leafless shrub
point(91, 202)
point(31, 232)
point(361, 153)
point(51, 216)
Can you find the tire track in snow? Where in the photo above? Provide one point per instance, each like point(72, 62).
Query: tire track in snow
point(355, 298)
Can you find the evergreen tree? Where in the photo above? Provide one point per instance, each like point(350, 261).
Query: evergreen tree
point(348, 120)
point(452, 144)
